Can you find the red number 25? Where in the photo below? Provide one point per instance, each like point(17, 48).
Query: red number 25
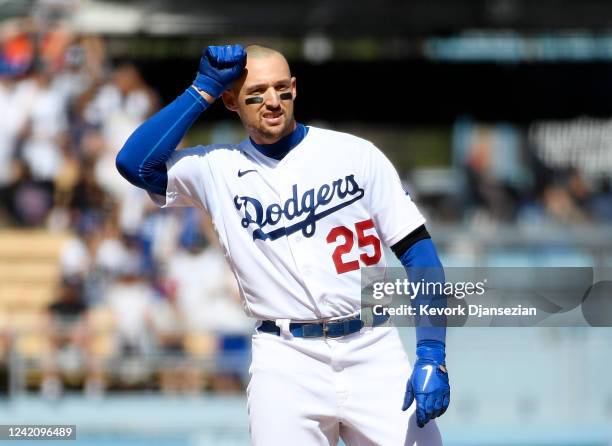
point(363, 240)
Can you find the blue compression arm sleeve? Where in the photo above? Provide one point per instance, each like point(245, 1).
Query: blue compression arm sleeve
point(142, 160)
point(422, 264)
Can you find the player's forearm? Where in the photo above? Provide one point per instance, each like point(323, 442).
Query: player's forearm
point(142, 159)
point(423, 266)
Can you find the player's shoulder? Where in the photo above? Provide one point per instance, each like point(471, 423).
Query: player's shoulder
point(335, 135)
point(343, 145)
point(349, 147)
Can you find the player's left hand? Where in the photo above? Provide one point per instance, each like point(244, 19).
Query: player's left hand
point(428, 384)
point(219, 67)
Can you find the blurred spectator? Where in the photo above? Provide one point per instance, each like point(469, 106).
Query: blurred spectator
point(87, 199)
point(600, 204)
point(9, 130)
point(44, 134)
point(131, 299)
point(66, 329)
point(77, 255)
point(32, 200)
point(560, 205)
point(110, 114)
point(203, 289)
point(176, 373)
point(118, 108)
point(206, 289)
point(16, 48)
point(117, 251)
point(491, 159)
point(53, 46)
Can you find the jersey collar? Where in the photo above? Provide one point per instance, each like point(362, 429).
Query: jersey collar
point(283, 146)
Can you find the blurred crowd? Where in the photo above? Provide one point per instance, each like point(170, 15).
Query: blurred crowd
point(136, 282)
point(505, 178)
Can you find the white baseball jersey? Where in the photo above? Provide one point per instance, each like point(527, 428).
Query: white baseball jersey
point(297, 231)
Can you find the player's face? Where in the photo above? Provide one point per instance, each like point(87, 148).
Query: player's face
point(270, 118)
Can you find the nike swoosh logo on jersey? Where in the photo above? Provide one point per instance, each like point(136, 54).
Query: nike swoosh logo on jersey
point(242, 173)
point(429, 369)
point(259, 215)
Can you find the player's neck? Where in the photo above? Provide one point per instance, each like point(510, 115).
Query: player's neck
point(283, 146)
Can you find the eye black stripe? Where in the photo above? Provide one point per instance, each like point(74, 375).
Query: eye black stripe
point(254, 100)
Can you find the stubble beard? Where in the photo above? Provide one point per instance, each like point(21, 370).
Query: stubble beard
point(269, 134)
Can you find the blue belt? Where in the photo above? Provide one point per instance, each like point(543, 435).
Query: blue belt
point(331, 329)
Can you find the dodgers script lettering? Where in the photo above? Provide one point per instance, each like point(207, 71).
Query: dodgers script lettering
point(310, 201)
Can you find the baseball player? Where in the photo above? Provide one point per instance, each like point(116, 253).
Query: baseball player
point(299, 210)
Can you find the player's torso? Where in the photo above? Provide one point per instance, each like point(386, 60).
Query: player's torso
point(297, 231)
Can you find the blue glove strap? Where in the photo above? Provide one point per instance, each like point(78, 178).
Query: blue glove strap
point(209, 85)
point(431, 350)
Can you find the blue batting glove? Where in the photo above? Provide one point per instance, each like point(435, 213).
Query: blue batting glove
point(219, 67)
point(428, 383)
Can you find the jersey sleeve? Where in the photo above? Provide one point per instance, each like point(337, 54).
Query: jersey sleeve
point(393, 211)
point(187, 171)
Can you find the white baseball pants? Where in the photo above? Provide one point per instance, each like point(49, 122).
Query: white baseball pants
point(310, 392)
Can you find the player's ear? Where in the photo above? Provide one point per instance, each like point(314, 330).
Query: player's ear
point(293, 87)
point(230, 100)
